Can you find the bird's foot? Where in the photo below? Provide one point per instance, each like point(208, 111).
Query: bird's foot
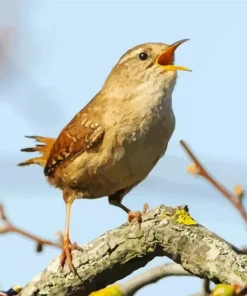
point(137, 216)
point(134, 216)
point(67, 255)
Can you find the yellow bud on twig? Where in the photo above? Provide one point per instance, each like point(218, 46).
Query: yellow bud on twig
point(193, 169)
point(239, 191)
point(223, 290)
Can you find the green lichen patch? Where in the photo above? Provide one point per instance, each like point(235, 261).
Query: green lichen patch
point(164, 215)
point(168, 212)
point(183, 217)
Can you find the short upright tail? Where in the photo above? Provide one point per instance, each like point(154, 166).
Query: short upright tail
point(44, 149)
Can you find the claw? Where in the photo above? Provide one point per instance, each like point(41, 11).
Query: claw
point(135, 216)
point(67, 255)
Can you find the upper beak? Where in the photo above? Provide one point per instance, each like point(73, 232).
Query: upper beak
point(165, 59)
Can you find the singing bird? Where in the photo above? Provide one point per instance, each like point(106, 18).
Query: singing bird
point(114, 142)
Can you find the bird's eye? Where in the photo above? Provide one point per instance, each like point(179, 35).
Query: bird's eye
point(143, 56)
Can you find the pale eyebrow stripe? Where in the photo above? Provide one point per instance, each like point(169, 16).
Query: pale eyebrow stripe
point(131, 55)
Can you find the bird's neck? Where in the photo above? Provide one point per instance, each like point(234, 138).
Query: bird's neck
point(152, 96)
point(145, 105)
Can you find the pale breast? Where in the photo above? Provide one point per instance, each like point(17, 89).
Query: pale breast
point(143, 150)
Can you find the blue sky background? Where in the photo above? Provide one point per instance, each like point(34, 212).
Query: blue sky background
point(52, 72)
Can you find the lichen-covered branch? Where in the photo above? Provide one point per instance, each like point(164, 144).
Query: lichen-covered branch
point(164, 231)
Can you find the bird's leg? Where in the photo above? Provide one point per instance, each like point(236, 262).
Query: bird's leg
point(115, 200)
point(132, 216)
point(69, 197)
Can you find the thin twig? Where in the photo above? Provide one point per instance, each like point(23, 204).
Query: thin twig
point(152, 276)
point(10, 227)
point(201, 171)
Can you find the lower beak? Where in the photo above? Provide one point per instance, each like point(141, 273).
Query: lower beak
point(166, 58)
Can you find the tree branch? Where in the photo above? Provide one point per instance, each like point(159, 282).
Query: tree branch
point(151, 276)
point(164, 231)
point(198, 169)
point(10, 227)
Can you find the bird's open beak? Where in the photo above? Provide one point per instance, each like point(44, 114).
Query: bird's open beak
point(166, 58)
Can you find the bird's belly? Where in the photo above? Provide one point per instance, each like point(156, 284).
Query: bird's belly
point(120, 168)
point(142, 154)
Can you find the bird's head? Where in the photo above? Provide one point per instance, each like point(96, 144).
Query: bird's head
point(150, 64)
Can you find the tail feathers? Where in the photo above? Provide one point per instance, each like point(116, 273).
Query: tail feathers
point(44, 149)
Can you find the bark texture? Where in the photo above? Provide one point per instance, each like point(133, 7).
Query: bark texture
point(164, 231)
